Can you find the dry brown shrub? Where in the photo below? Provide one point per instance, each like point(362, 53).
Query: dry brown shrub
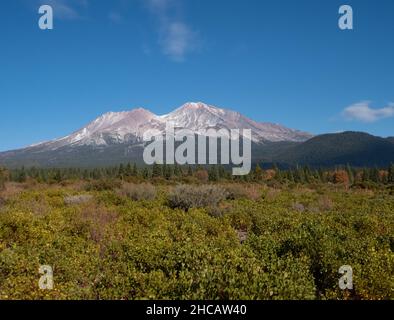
point(239, 191)
point(186, 197)
point(341, 177)
point(12, 189)
point(325, 203)
point(269, 174)
point(298, 207)
point(138, 192)
point(303, 191)
point(3, 202)
point(242, 235)
point(78, 199)
point(383, 174)
point(40, 207)
point(98, 219)
point(202, 176)
point(272, 194)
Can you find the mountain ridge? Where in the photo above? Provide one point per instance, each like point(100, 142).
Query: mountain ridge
point(116, 137)
point(125, 126)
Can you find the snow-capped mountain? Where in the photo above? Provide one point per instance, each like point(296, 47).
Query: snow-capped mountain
point(117, 137)
point(129, 126)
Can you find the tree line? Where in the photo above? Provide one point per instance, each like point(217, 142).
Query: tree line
point(341, 175)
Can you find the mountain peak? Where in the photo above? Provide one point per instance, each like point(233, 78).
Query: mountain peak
point(129, 126)
point(140, 109)
point(195, 106)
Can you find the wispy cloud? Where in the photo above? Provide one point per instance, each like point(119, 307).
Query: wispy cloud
point(115, 17)
point(67, 9)
point(176, 37)
point(178, 40)
point(363, 112)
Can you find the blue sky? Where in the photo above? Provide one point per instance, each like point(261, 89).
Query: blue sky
point(280, 61)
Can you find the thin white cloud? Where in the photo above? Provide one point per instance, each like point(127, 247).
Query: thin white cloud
point(176, 37)
point(115, 17)
point(363, 112)
point(178, 40)
point(159, 7)
point(67, 9)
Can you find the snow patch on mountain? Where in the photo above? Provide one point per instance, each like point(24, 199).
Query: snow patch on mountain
point(129, 126)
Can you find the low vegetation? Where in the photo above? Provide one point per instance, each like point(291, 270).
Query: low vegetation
point(137, 192)
point(111, 238)
point(187, 197)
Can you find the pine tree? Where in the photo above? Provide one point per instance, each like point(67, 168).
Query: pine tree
point(177, 170)
point(222, 172)
point(128, 170)
point(135, 170)
point(375, 177)
point(299, 175)
point(3, 177)
point(213, 173)
point(258, 173)
point(146, 173)
point(390, 177)
point(308, 174)
point(168, 171)
point(121, 171)
point(366, 175)
point(96, 174)
point(85, 174)
point(350, 174)
point(57, 176)
point(157, 170)
point(290, 176)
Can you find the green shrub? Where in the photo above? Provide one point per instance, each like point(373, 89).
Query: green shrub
point(113, 248)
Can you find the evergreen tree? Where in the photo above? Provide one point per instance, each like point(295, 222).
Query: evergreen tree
point(288, 175)
point(390, 177)
point(96, 174)
point(350, 174)
point(3, 177)
point(366, 175)
point(22, 175)
point(135, 170)
point(299, 175)
point(157, 170)
point(308, 175)
point(57, 175)
point(85, 174)
point(222, 172)
point(375, 175)
point(121, 171)
point(129, 170)
point(213, 173)
point(258, 173)
point(177, 170)
point(168, 171)
point(146, 173)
